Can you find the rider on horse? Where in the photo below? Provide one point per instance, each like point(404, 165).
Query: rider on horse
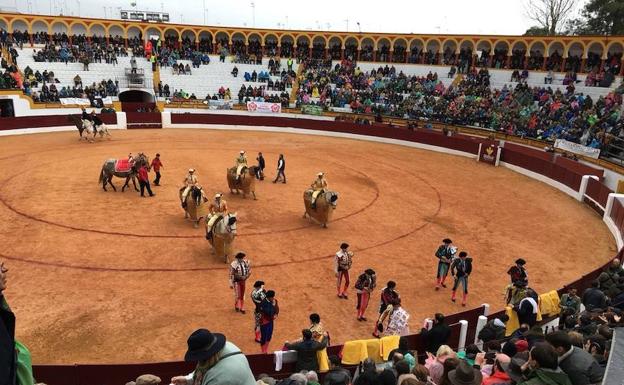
point(241, 162)
point(218, 209)
point(319, 185)
point(189, 182)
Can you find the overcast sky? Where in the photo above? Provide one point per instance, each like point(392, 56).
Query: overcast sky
point(503, 17)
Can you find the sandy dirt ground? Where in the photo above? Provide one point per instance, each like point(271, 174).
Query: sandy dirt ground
point(112, 277)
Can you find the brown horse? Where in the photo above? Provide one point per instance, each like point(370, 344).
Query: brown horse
point(196, 207)
point(108, 171)
point(222, 235)
point(325, 206)
point(246, 182)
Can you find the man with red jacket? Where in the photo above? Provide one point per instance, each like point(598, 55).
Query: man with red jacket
point(144, 181)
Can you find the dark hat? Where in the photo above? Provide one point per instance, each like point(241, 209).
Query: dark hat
point(446, 240)
point(520, 261)
point(369, 271)
point(270, 294)
point(465, 375)
point(157, 154)
point(203, 344)
point(258, 283)
point(344, 245)
point(513, 368)
point(240, 254)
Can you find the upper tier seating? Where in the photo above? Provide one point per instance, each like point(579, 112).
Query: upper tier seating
point(208, 78)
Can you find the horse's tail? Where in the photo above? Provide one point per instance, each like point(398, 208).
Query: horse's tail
point(101, 175)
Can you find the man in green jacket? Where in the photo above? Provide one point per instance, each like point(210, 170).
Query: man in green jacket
point(218, 361)
point(543, 367)
point(8, 362)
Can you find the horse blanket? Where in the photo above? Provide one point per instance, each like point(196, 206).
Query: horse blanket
point(123, 165)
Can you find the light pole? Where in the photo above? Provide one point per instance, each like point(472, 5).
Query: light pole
point(359, 27)
point(204, 12)
point(253, 14)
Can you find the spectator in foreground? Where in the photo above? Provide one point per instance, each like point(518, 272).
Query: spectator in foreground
point(438, 334)
point(8, 364)
point(337, 375)
point(306, 351)
point(578, 364)
point(218, 361)
point(543, 367)
point(464, 375)
point(593, 298)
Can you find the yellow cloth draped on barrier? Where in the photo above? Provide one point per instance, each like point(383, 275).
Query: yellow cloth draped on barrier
point(373, 348)
point(354, 352)
point(549, 303)
point(513, 324)
point(388, 344)
point(323, 360)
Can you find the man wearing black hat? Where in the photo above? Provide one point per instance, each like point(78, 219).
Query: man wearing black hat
point(218, 361)
point(364, 285)
point(461, 268)
point(258, 294)
point(517, 272)
point(343, 264)
point(269, 309)
point(445, 255)
point(465, 375)
point(240, 270)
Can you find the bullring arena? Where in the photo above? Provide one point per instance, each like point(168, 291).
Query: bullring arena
point(108, 285)
point(122, 269)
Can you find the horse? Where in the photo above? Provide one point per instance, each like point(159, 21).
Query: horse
point(223, 233)
point(102, 130)
point(246, 183)
point(325, 206)
point(82, 126)
point(196, 207)
point(109, 170)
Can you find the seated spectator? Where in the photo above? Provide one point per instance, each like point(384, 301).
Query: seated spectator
point(187, 69)
point(247, 76)
point(435, 364)
point(218, 361)
point(451, 72)
point(594, 299)
point(337, 375)
point(578, 364)
point(234, 71)
point(570, 305)
point(549, 77)
point(544, 368)
point(494, 329)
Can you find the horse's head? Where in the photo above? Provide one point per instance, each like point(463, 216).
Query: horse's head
point(196, 194)
point(332, 198)
point(230, 223)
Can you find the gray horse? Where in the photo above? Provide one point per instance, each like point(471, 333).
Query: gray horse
point(108, 171)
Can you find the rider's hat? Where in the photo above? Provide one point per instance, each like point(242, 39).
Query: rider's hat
point(320, 173)
point(242, 151)
point(218, 195)
point(240, 254)
point(191, 170)
point(344, 245)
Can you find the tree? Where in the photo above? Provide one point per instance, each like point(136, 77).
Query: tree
point(550, 15)
point(604, 17)
point(536, 31)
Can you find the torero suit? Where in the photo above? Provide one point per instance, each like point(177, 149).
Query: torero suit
point(240, 270)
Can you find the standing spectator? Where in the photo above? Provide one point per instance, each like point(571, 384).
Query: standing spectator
point(157, 165)
point(218, 361)
point(364, 286)
point(337, 375)
point(281, 166)
point(160, 89)
point(306, 351)
point(445, 255)
point(133, 65)
point(342, 266)
point(460, 270)
point(518, 272)
point(261, 166)
point(438, 335)
point(494, 329)
point(269, 309)
point(144, 181)
point(578, 364)
point(543, 368)
point(240, 270)
point(258, 294)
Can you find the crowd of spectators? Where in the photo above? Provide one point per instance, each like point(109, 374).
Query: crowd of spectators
point(535, 112)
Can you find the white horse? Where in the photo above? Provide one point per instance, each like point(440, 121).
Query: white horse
point(222, 235)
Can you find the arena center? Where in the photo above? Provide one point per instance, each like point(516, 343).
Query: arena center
point(153, 173)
